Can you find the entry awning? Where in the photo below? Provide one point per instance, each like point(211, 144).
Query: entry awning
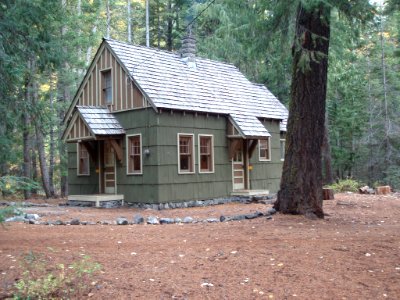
point(91, 123)
point(250, 127)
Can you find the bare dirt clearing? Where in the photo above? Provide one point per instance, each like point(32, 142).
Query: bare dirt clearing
point(354, 253)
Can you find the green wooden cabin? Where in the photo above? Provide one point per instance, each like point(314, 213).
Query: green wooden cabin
point(152, 126)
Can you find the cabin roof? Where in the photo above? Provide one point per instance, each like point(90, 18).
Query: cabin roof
point(100, 121)
point(211, 86)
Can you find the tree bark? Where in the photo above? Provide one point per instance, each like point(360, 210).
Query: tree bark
point(26, 147)
point(52, 148)
point(147, 24)
point(40, 147)
point(301, 184)
point(129, 21)
point(169, 26)
point(326, 156)
point(26, 121)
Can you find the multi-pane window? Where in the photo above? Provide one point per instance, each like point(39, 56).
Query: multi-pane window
point(83, 160)
point(283, 146)
point(107, 87)
point(264, 149)
point(134, 147)
point(206, 159)
point(185, 153)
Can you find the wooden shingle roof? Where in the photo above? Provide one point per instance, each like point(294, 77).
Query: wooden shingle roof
point(210, 87)
point(100, 121)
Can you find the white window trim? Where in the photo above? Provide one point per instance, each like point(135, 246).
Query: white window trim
point(112, 86)
point(269, 150)
point(127, 154)
point(78, 158)
point(284, 150)
point(212, 153)
point(179, 154)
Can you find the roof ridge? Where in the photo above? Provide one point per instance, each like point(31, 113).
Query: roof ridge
point(176, 53)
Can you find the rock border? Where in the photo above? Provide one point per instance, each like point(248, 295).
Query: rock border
point(154, 220)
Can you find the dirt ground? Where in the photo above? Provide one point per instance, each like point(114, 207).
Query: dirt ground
point(354, 253)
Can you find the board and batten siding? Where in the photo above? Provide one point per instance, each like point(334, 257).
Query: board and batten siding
point(125, 94)
point(79, 131)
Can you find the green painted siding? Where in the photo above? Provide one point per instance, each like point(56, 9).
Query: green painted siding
point(80, 185)
point(160, 181)
point(267, 174)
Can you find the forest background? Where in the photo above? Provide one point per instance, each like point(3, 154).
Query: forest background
point(46, 46)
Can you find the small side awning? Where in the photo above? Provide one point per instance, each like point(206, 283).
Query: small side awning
point(250, 127)
point(92, 123)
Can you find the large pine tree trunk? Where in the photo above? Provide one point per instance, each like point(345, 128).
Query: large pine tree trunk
point(301, 185)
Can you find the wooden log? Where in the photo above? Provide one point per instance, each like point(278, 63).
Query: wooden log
point(383, 190)
point(327, 194)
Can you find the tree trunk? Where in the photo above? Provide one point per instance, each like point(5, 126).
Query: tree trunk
point(301, 185)
point(26, 147)
point(147, 24)
point(158, 25)
point(326, 156)
point(40, 146)
point(129, 21)
point(108, 20)
point(169, 26)
point(26, 121)
point(35, 175)
point(52, 148)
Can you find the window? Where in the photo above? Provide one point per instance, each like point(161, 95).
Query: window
point(206, 155)
point(264, 149)
point(107, 87)
point(134, 152)
point(185, 153)
point(283, 146)
point(83, 160)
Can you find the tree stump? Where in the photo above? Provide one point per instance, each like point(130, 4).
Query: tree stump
point(383, 190)
point(327, 194)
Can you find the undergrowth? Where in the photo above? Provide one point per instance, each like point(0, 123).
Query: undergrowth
point(345, 185)
point(43, 278)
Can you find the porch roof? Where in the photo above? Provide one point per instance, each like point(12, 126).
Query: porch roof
point(100, 120)
point(91, 122)
point(250, 126)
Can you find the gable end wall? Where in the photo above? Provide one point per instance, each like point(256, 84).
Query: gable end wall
point(125, 94)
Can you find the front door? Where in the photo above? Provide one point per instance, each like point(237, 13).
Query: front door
point(109, 169)
point(238, 169)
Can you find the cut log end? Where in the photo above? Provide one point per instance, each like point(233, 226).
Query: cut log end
point(327, 194)
point(383, 190)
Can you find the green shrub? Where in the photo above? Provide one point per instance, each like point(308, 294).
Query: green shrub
point(345, 185)
point(8, 211)
point(44, 279)
point(11, 184)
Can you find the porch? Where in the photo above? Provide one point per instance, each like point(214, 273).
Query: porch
point(96, 200)
point(250, 193)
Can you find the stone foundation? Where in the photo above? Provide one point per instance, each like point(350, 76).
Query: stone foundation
point(200, 203)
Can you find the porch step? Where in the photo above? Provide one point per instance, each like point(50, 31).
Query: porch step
point(250, 193)
point(98, 200)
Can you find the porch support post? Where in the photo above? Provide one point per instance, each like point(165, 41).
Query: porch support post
point(233, 145)
point(246, 164)
point(117, 148)
point(252, 147)
point(91, 149)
